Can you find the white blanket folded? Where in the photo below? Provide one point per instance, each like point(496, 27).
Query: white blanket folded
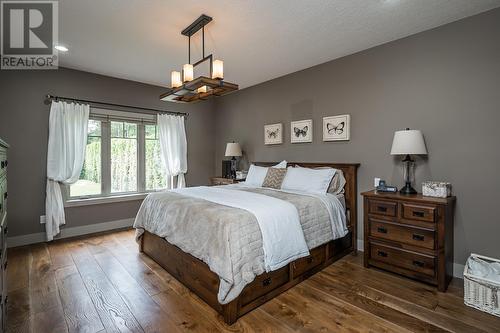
point(282, 235)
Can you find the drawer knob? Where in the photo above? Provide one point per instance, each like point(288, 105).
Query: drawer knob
point(266, 282)
point(382, 209)
point(418, 237)
point(382, 254)
point(418, 214)
point(382, 230)
point(418, 263)
point(310, 260)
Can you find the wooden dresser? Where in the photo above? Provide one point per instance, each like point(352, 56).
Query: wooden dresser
point(3, 234)
point(410, 235)
point(215, 181)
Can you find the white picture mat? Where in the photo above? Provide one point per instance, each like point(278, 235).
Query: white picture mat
point(270, 128)
point(333, 130)
point(301, 126)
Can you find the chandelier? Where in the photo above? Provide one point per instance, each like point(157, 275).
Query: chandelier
point(189, 89)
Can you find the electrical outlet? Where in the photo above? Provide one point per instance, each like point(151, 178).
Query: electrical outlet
point(43, 219)
point(376, 182)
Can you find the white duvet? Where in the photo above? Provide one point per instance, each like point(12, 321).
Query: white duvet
point(282, 235)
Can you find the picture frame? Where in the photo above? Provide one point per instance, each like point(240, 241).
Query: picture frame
point(273, 134)
point(301, 131)
point(337, 128)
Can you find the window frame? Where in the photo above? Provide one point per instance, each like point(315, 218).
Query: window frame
point(106, 196)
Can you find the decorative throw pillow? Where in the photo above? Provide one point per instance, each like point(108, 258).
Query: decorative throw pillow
point(274, 178)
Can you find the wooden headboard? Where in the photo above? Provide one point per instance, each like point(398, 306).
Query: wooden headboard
point(350, 171)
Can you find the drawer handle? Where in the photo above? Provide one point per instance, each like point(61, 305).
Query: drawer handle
point(382, 209)
point(418, 214)
point(418, 237)
point(382, 230)
point(310, 260)
point(382, 254)
point(418, 263)
point(266, 282)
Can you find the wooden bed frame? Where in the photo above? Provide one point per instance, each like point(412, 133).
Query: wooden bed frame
point(197, 276)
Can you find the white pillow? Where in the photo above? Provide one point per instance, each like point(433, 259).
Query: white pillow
point(308, 180)
point(257, 174)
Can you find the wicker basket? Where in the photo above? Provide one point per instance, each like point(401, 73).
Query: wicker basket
point(480, 293)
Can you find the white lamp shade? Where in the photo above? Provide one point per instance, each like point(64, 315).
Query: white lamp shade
point(176, 79)
point(188, 72)
point(408, 142)
point(217, 69)
point(233, 149)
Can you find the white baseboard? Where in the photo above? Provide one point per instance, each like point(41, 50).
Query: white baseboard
point(458, 269)
point(69, 232)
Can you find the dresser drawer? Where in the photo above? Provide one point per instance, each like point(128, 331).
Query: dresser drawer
point(418, 212)
point(386, 208)
point(412, 261)
point(316, 257)
point(400, 233)
point(266, 283)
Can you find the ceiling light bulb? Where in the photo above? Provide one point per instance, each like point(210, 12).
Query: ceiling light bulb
point(61, 48)
point(188, 71)
point(218, 69)
point(175, 79)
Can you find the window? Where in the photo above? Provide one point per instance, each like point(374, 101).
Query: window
point(122, 157)
point(155, 176)
point(90, 177)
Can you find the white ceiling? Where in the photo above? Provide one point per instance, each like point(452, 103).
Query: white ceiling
point(258, 39)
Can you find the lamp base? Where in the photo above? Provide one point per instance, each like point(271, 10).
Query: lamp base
point(407, 189)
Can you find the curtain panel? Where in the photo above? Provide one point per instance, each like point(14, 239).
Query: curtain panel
point(173, 146)
point(66, 153)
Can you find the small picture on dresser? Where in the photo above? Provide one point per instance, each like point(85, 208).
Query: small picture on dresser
point(301, 131)
point(273, 134)
point(336, 128)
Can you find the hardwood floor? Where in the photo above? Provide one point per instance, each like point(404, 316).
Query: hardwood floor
point(103, 284)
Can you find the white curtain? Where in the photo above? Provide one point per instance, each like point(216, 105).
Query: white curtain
point(173, 145)
point(66, 153)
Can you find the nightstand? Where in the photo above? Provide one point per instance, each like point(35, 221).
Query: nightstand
point(411, 235)
point(215, 181)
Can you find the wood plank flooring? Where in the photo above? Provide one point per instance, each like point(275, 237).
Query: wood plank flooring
point(102, 283)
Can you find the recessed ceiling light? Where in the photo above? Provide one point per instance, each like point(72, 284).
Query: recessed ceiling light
point(61, 48)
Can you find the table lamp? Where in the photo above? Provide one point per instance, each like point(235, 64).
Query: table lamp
point(408, 142)
point(233, 150)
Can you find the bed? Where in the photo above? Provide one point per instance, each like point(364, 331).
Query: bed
point(250, 285)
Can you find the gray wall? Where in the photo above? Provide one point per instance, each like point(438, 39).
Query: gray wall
point(445, 82)
point(24, 125)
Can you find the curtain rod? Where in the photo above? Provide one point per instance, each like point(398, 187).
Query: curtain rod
point(152, 111)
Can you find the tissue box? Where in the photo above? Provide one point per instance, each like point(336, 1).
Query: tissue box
point(436, 189)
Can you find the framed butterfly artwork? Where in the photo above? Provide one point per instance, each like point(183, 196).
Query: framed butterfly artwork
point(336, 128)
point(273, 134)
point(301, 131)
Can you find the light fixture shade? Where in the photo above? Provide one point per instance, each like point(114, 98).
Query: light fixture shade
point(233, 149)
point(175, 79)
point(218, 69)
point(188, 72)
point(408, 142)
point(202, 89)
